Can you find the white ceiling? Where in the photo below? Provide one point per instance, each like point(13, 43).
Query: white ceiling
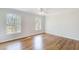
point(46, 10)
point(31, 10)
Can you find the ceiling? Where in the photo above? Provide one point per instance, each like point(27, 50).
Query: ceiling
point(31, 10)
point(46, 11)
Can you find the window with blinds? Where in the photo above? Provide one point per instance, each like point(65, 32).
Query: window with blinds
point(13, 23)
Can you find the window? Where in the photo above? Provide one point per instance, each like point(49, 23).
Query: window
point(13, 23)
point(38, 23)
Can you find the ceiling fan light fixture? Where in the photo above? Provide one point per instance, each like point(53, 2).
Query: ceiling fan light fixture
point(41, 12)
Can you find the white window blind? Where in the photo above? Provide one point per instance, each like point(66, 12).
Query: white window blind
point(13, 23)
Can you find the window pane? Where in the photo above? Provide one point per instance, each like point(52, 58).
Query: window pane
point(38, 23)
point(13, 23)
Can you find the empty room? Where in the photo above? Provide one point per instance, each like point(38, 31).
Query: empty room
point(39, 28)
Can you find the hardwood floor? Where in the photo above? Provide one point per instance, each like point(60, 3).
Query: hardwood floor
point(41, 42)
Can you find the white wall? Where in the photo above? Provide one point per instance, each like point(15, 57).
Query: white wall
point(64, 24)
point(27, 24)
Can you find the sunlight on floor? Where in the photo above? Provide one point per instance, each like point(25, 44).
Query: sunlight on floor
point(15, 46)
point(38, 43)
